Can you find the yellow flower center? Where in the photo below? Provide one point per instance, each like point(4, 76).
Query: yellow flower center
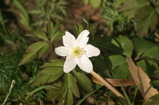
point(77, 52)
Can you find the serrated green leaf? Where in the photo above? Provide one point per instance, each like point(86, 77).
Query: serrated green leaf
point(141, 45)
point(69, 98)
point(48, 75)
point(130, 7)
point(119, 66)
point(32, 50)
point(27, 58)
point(53, 63)
point(126, 44)
point(71, 83)
point(83, 81)
point(44, 49)
point(78, 29)
point(41, 34)
point(148, 20)
point(37, 32)
point(63, 91)
point(50, 28)
point(152, 52)
point(53, 94)
point(58, 35)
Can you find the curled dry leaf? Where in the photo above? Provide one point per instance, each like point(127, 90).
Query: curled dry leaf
point(141, 80)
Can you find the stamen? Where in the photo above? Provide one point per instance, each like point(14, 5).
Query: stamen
point(77, 52)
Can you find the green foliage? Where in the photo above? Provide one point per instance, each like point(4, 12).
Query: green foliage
point(50, 73)
point(152, 53)
point(40, 48)
point(69, 88)
point(148, 20)
point(119, 66)
point(24, 16)
point(154, 100)
point(141, 45)
point(22, 75)
point(130, 7)
point(148, 65)
point(83, 81)
point(126, 20)
point(32, 50)
point(47, 10)
point(126, 44)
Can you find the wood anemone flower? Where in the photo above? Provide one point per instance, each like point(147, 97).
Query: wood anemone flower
point(77, 52)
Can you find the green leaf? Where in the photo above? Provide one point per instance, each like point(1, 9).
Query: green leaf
point(69, 98)
point(148, 20)
point(119, 66)
point(130, 7)
point(32, 50)
point(107, 44)
point(126, 44)
point(39, 33)
point(55, 34)
point(58, 35)
point(154, 100)
point(69, 88)
point(53, 94)
point(48, 75)
point(148, 66)
point(141, 45)
point(156, 74)
point(83, 81)
point(53, 63)
point(156, 82)
point(71, 83)
point(44, 49)
point(50, 29)
point(95, 4)
point(78, 29)
point(152, 52)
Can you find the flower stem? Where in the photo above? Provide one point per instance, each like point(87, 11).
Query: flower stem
point(108, 85)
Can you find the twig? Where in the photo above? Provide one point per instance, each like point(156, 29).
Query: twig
point(11, 86)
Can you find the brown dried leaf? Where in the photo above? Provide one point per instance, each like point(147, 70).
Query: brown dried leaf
point(117, 82)
point(141, 80)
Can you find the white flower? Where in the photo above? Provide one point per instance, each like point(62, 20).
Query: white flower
point(77, 51)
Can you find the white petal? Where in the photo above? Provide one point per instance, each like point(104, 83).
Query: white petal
point(68, 40)
point(82, 39)
point(85, 64)
point(69, 64)
point(62, 51)
point(91, 50)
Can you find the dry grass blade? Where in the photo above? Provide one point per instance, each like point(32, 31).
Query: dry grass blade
point(117, 82)
point(141, 80)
